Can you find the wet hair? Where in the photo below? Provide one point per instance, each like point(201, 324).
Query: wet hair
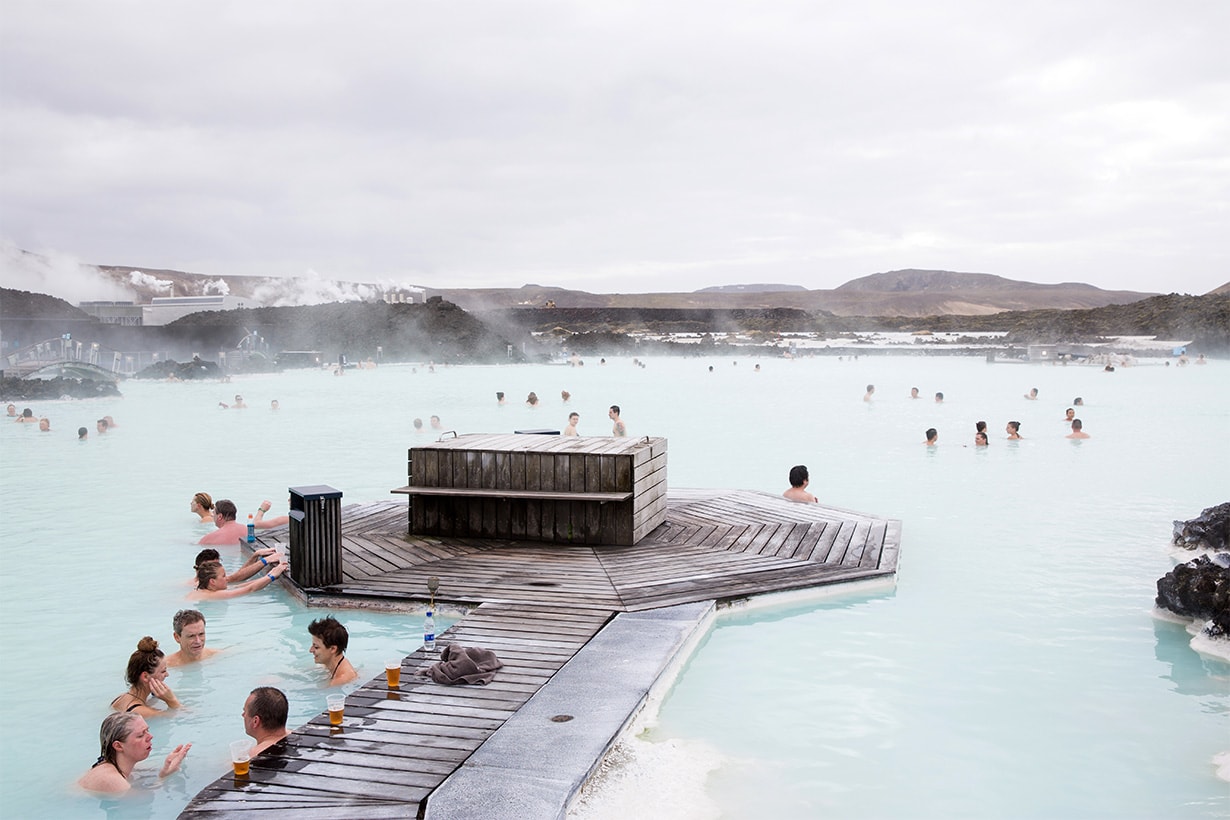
point(186, 617)
point(499, 394)
point(798, 474)
point(615, 407)
point(27, 413)
point(932, 433)
point(225, 509)
point(145, 659)
point(980, 427)
point(981, 434)
point(82, 432)
point(204, 501)
point(206, 571)
point(115, 726)
point(939, 396)
point(532, 398)
point(207, 554)
point(270, 706)
point(1015, 425)
point(331, 632)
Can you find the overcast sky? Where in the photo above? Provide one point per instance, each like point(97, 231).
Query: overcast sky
point(622, 146)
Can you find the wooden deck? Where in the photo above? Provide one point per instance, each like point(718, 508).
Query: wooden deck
point(536, 605)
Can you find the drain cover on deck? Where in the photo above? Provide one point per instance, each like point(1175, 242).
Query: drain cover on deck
point(561, 718)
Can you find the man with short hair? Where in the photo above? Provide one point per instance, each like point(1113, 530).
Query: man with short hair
point(229, 531)
point(619, 429)
point(264, 717)
point(1077, 431)
point(189, 633)
point(799, 479)
point(571, 429)
point(329, 642)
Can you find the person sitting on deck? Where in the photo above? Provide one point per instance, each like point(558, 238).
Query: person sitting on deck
point(257, 562)
point(263, 523)
point(203, 505)
point(571, 429)
point(229, 531)
point(799, 480)
point(125, 741)
point(329, 642)
point(188, 627)
point(146, 676)
point(264, 717)
point(212, 581)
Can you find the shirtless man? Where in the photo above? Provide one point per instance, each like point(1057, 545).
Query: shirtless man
point(27, 417)
point(571, 429)
point(329, 642)
point(264, 717)
point(933, 437)
point(229, 531)
point(44, 424)
point(1077, 432)
point(914, 393)
point(871, 388)
point(189, 633)
point(620, 429)
point(1069, 415)
point(799, 480)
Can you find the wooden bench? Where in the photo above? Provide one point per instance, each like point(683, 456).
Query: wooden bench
point(533, 495)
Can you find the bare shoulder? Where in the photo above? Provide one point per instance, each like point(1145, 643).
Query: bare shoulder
point(104, 779)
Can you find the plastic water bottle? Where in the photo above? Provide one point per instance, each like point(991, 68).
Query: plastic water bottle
point(429, 632)
point(251, 529)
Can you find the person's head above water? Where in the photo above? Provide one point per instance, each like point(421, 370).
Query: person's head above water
point(210, 575)
point(225, 510)
point(115, 731)
point(143, 661)
point(932, 435)
point(330, 634)
point(799, 475)
point(203, 500)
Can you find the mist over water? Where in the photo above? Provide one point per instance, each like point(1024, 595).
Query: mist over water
point(1015, 671)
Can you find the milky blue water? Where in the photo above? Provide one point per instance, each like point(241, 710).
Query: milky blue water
point(1015, 671)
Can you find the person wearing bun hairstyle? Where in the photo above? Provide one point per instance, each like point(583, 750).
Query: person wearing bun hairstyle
point(125, 741)
point(146, 677)
point(203, 505)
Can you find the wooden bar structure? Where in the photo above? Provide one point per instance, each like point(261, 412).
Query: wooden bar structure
point(558, 489)
point(536, 605)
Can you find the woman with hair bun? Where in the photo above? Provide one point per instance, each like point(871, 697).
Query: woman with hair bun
point(125, 741)
point(203, 506)
point(146, 676)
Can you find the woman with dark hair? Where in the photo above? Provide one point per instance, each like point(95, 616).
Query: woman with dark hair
point(203, 506)
point(146, 676)
point(1014, 430)
point(125, 741)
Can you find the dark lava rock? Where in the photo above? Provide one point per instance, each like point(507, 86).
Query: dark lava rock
point(51, 389)
point(1199, 589)
point(198, 368)
point(1209, 530)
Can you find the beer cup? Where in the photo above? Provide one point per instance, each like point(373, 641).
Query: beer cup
point(337, 705)
point(392, 673)
point(241, 756)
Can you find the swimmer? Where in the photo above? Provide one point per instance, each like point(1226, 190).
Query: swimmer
point(418, 425)
point(532, 399)
point(571, 429)
point(273, 404)
point(203, 505)
point(1068, 415)
point(980, 439)
point(110, 422)
point(101, 425)
point(239, 405)
point(499, 397)
point(27, 417)
point(619, 429)
point(213, 583)
point(871, 388)
point(435, 423)
point(12, 411)
point(44, 424)
point(125, 741)
point(1032, 395)
point(1078, 401)
point(799, 480)
point(1077, 430)
point(258, 561)
point(565, 396)
point(264, 717)
point(939, 398)
point(82, 434)
point(263, 523)
point(1013, 429)
point(329, 642)
point(229, 531)
point(146, 676)
point(914, 393)
point(188, 627)
point(980, 427)
point(932, 437)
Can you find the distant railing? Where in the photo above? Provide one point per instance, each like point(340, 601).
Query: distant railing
point(66, 349)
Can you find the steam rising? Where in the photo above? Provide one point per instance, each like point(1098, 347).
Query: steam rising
point(312, 289)
point(144, 280)
point(56, 273)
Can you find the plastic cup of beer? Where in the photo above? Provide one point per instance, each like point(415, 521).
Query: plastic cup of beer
point(337, 705)
point(241, 756)
point(392, 673)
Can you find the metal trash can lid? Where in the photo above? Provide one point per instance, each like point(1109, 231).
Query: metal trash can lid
point(314, 491)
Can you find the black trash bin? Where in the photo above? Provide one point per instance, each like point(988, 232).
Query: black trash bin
point(316, 535)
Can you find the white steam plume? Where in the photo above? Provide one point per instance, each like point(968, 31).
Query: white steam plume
point(56, 274)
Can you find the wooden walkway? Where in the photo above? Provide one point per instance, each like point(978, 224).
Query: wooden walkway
point(536, 605)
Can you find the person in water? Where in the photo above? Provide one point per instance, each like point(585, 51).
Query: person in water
point(125, 740)
point(799, 479)
point(188, 630)
point(329, 642)
point(933, 437)
point(146, 676)
point(980, 439)
point(213, 583)
point(264, 717)
point(263, 523)
point(1013, 429)
point(229, 531)
point(571, 429)
point(1077, 430)
point(203, 505)
point(258, 561)
point(618, 428)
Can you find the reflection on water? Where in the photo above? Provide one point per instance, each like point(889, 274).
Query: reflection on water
point(1014, 671)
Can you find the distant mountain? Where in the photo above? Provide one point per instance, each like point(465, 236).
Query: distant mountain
point(946, 281)
point(750, 289)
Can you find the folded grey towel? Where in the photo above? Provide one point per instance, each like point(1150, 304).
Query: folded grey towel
point(461, 664)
